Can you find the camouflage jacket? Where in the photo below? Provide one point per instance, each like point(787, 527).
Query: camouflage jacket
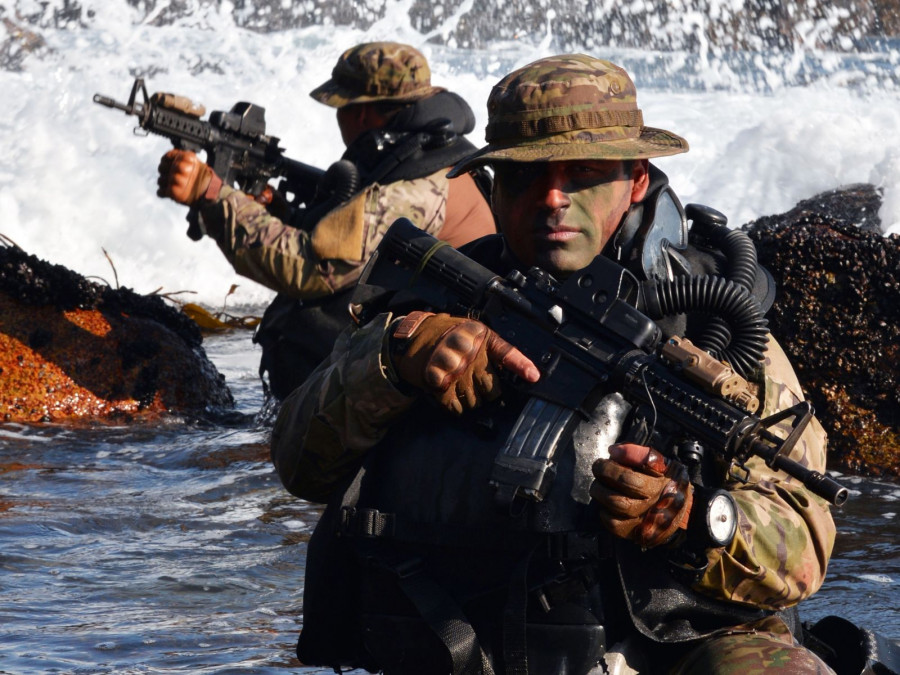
point(314, 264)
point(785, 534)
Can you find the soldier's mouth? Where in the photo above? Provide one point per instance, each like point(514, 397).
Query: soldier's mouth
point(558, 234)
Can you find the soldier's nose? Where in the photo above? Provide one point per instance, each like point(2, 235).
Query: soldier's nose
point(552, 184)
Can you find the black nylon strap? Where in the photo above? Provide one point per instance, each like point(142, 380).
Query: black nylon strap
point(366, 522)
point(439, 610)
point(444, 616)
point(515, 647)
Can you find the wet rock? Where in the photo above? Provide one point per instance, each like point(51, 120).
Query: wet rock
point(837, 315)
point(73, 349)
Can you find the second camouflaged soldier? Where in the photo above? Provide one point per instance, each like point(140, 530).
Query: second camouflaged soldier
point(402, 134)
point(413, 569)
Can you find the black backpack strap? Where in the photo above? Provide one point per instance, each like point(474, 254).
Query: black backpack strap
point(435, 605)
point(440, 611)
point(515, 645)
point(374, 524)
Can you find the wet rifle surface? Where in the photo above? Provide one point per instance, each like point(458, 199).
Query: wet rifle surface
point(586, 337)
point(235, 142)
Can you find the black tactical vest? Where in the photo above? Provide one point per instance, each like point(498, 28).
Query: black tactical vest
point(296, 336)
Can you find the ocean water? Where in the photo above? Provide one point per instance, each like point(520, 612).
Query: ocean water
point(162, 549)
point(172, 548)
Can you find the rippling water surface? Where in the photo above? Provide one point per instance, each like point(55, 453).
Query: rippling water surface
point(172, 548)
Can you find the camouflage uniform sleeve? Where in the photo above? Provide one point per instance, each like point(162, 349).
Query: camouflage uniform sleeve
point(325, 427)
point(261, 247)
point(785, 534)
point(314, 264)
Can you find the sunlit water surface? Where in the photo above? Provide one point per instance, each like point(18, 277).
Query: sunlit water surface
point(174, 549)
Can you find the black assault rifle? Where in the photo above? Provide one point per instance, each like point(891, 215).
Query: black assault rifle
point(587, 338)
point(236, 145)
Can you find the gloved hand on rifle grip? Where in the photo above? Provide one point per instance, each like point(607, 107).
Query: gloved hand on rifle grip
point(185, 179)
point(454, 359)
point(644, 496)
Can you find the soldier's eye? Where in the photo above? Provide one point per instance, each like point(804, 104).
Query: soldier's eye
point(585, 174)
point(515, 177)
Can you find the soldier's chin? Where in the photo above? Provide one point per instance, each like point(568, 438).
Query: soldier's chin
point(561, 261)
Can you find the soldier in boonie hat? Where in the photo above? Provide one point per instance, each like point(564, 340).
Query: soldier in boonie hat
point(377, 71)
point(401, 135)
point(567, 129)
point(573, 184)
point(568, 107)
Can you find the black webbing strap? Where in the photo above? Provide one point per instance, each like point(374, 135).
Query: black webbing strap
point(515, 648)
point(350, 498)
point(445, 618)
point(439, 610)
point(357, 522)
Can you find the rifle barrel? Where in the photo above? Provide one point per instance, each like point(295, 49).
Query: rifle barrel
point(112, 103)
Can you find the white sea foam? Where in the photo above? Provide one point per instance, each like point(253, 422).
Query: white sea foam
point(75, 182)
point(877, 578)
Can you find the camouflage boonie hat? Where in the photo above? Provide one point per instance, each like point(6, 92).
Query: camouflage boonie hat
point(377, 71)
point(568, 107)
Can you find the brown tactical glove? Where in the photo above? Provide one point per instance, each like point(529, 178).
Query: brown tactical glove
point(645, 497)
point(184, 178)
point(454, 359)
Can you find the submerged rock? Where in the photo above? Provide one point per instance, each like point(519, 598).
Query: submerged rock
point(837, 314)
point(74, 349)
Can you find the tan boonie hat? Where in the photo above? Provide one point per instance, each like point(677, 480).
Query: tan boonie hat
point(568, 107)
point(377, 71)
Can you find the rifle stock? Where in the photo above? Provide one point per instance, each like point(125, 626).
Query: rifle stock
point(587, 337)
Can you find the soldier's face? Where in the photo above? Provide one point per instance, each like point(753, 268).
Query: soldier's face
point(559, 215)
point(356, 118)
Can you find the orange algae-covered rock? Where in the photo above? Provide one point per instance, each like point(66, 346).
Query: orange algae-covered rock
point(72, 349)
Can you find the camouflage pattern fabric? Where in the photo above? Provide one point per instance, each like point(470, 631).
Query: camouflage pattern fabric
point(568, 107)
point(343, 409)
point(769, 648)
point(785, 534)
point(286, 259)
point(377, 71)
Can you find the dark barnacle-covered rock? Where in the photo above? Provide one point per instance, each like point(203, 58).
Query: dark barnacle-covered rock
point(73, 349)
point(837, 314)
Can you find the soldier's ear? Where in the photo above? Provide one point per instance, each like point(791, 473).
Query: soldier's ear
point(640, 175)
